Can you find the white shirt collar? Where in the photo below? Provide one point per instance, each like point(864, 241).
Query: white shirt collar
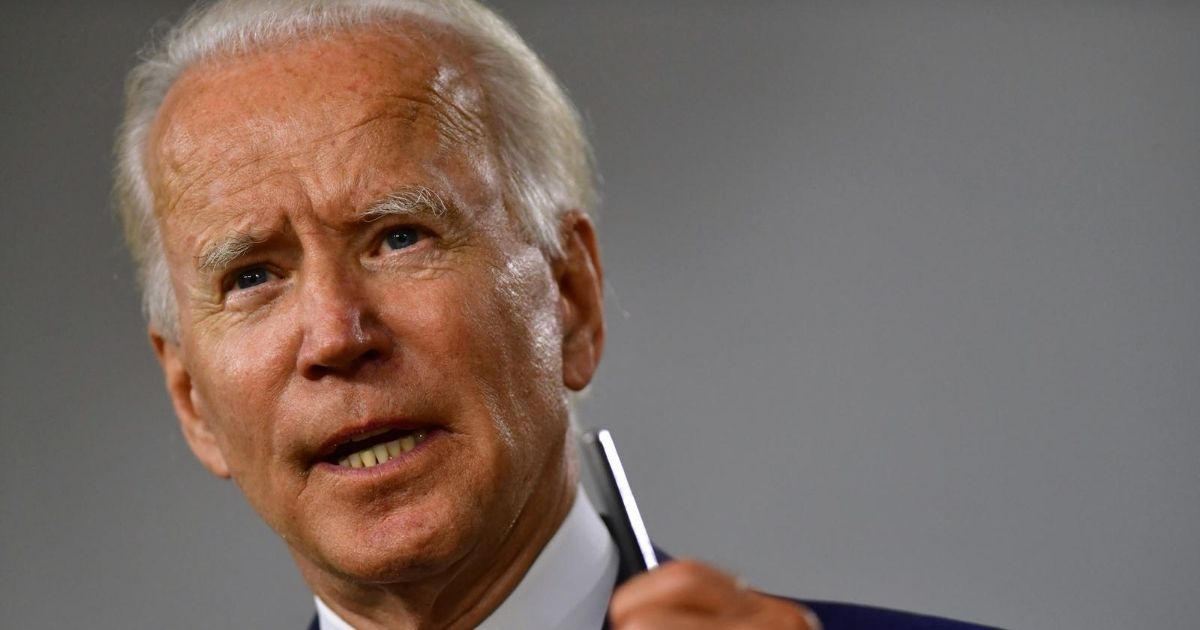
point(568, 587)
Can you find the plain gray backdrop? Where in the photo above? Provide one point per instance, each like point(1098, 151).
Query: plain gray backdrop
point(903, 300)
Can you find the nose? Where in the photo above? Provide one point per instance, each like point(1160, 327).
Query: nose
point(342, 330)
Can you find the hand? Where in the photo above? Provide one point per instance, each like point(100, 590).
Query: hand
point(687, 594)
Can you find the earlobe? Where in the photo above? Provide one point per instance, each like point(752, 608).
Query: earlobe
point(580, 278)
point(195, 426)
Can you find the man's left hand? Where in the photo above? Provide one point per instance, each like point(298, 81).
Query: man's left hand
point(687, 594)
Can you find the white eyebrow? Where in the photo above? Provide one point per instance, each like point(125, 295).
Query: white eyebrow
point(409, 200)
point(217, 257)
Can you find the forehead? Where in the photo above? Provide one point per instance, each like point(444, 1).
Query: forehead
point(229, 120)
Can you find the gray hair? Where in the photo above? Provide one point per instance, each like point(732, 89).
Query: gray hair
point(539, 139)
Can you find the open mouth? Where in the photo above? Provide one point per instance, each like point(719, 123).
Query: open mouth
point(376, 447)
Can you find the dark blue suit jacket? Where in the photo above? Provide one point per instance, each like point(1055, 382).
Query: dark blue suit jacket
point(838, 616)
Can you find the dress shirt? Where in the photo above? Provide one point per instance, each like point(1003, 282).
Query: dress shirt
point(567, 587)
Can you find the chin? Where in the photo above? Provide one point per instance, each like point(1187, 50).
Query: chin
point(405, 544)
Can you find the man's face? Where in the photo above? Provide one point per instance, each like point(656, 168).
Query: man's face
point(306, 322)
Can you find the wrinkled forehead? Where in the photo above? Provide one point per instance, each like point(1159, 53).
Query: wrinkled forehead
point(232, 110)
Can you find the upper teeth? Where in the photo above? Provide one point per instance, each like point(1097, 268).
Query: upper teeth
point(380, 453)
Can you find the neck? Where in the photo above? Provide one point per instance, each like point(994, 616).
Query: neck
point(466, 594)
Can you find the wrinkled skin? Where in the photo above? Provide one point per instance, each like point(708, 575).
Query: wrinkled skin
point(469, 329)
point(312, 322)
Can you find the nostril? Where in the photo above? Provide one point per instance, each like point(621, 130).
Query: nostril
point(317, 372)
point(344, 365)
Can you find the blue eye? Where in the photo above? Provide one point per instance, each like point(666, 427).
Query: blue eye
point(401, 237)
point(251, 277)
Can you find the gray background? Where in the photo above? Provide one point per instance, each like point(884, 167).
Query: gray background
point(904, 309)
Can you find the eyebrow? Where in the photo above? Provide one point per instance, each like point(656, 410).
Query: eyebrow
point(218, 257)
point(409, 200)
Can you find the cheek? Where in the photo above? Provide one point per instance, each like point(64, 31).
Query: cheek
point(527, 308)
point(492, 333)
point(522, 316)
point(240, 389)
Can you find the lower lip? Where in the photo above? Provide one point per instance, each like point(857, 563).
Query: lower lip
point(403, 460)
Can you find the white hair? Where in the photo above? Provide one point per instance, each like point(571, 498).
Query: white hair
point(539, 140)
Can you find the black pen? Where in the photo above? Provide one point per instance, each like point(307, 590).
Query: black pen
point(624, 520)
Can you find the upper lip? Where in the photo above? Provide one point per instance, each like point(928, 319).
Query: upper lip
point(347, 433)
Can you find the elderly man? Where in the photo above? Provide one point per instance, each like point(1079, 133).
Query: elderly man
point(372, 282)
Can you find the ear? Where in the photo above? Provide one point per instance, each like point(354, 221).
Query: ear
point(195, 426)
point(580, 279)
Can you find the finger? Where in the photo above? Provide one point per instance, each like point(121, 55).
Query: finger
point(682, 585)
point(772, 612)
point(766, 613)
point(650, 618)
